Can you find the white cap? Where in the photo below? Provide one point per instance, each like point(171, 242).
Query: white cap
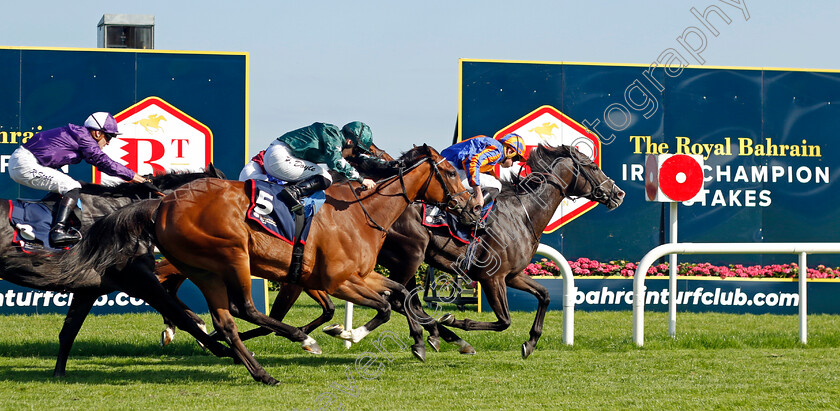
point(102, 121)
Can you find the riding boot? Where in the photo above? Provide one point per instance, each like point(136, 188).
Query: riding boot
point(61, 234)
point(293, 193)
point(490, 194)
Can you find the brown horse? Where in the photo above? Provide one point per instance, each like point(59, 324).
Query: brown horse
point(523, 210)
point(202, 230)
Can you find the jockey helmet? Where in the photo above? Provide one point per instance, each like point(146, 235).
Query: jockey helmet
point(359, 133)
point(515, 142)
point(104, 122)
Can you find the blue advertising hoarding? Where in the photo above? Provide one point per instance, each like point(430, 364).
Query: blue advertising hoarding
point(766, 136)
point(176, 109)
point(42, 89)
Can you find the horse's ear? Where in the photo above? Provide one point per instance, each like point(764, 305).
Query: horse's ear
point(215, 172)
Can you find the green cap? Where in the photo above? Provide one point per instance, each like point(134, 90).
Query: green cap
point(359, 133)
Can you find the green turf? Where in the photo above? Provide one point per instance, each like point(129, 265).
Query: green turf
point(717, 361)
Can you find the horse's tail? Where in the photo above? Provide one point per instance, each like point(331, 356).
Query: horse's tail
point(115, 238)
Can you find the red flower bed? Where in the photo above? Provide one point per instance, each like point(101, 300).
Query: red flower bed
point(624, 268)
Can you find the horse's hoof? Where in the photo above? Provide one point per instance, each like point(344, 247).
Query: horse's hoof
point(311, 346)
point(166, 337)
point(446, 319)
point(526, 350)
point(334, 330)
point(467, 349)
point(419, 352)
point(269, 380)
point(434, 342)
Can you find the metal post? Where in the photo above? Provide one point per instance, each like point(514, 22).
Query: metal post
point(803, 298)
point(672, 277)
point(348, 320)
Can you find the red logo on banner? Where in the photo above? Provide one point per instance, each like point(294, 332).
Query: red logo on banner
point(550, 126)
point(158, 138)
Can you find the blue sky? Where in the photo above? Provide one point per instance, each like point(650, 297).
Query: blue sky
point(394, 64)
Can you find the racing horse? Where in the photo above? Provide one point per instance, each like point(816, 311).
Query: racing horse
point(202, 231)
point(522, 211)
point(42, 269)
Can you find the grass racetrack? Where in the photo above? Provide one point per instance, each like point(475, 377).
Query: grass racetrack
point(717, 361)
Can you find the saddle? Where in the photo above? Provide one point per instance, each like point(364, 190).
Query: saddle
point(273, 215)
point(32, 220)
point(270, 212)
point(435, 217)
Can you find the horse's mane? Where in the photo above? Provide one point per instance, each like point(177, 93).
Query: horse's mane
point(161, 181)
point(541, 159)
point(378, 171)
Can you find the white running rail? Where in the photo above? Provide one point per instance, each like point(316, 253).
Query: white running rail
point(802, 249)
point(569, 291)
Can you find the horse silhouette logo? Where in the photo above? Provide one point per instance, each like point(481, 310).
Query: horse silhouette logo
point(151, 123)
point(544, 131)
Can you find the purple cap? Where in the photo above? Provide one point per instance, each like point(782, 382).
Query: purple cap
point(102, 121)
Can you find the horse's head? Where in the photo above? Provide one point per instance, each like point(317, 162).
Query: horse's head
point(443, 186)
point(575, 174)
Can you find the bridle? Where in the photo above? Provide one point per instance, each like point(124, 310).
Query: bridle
point(449, 201)
point(597, 192)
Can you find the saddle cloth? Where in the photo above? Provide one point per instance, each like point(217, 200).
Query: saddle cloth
point(32, 222)
point(270, 212)
point(434, 216)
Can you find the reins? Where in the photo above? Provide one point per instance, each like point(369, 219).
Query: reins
point(401, 171)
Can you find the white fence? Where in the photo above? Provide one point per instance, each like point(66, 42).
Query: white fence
point(802, 249)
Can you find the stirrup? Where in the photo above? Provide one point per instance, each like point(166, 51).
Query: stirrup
point(64, 236)
point(291, 199)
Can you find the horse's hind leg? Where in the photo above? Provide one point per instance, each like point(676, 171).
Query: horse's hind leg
point(495, 291)
point(522, 282)
point(216, 294)
point(137, 279)
point(171, 280)
point(76, 314)
point(287, 296)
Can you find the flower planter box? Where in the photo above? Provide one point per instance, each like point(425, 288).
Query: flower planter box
point(694, 294)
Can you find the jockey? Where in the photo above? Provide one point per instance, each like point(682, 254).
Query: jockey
point(35, 164)
point(304, 157)
point(476, 157)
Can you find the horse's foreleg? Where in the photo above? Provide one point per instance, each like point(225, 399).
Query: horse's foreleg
point(399, 299)
point(357, 292)
point(327, 310)
point(245, 309)
point(525, 283)
point(76, 314)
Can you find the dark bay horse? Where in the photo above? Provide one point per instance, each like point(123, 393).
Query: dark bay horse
point(43, 270)
point(522, 211)
point(202, 230)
